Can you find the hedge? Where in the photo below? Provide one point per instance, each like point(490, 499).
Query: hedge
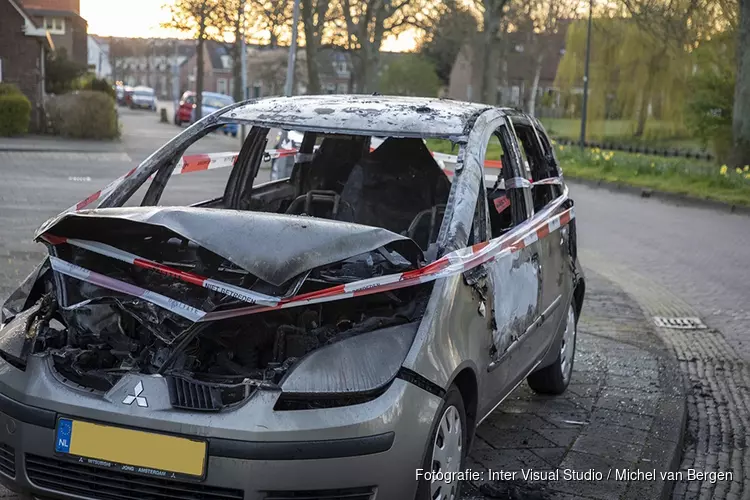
point(85, 114)
point(9, 89)
point(15, 114)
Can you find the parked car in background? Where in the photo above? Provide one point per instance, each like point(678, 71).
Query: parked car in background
point(124, 94)
point(212, 101)
point(143, 98)
point(326, 335)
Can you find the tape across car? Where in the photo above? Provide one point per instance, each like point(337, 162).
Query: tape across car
point(456, 262)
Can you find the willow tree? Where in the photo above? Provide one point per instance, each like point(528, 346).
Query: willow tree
point(631, 76)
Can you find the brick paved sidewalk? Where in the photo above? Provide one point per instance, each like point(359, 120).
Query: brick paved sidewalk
point(624, 409)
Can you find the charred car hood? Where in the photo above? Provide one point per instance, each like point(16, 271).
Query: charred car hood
point(273, 247)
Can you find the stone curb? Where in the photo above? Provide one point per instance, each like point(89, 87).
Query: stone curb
point(53, 144)
point(678, 199)
point(666, 437)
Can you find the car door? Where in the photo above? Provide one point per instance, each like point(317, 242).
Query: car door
point(553, 246)
point(514, 279)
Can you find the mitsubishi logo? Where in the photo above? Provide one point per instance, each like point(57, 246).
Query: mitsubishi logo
point(136, 396)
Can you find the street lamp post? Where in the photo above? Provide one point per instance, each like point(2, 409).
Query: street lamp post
point(292, 62)
point(584, 110)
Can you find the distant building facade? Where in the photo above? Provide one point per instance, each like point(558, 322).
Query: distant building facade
point(98, 54)
point(217, 69)
point(150, 62)
point(62, 19)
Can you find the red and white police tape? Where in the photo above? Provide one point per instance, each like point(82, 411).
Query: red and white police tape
point(454, 263)
point(202, 162)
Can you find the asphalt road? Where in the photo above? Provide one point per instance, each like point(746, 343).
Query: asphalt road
point(700, 255)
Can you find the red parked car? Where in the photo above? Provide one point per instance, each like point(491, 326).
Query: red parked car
point(184, 111)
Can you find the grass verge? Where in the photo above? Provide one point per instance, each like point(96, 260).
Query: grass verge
point(694, 178)
point(689, 177)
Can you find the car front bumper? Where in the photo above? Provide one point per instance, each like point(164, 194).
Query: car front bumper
point(373, 458)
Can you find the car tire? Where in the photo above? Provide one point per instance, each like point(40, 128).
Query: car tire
point(450, 417)
point(554, 379)
point(234, 134)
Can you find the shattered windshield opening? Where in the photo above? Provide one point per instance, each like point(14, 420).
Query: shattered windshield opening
point(160, 289)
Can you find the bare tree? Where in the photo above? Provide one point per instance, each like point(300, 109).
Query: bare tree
point(367, 23)
point(487, 45)
point(444, 40)
point(270, 19)
point(315, 17)
point(204, 19)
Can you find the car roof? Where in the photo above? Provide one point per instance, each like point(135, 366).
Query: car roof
point(365, 114)
point(216, 94)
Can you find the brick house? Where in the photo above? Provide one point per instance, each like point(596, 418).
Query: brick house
point(23, 45)
point(62, 18)
point(148, 62)
point(217, 69)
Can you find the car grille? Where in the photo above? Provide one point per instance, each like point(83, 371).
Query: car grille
point(366, 493)
point(77, 479)
point(203, 396)
point(190, 395)
point(7, 460)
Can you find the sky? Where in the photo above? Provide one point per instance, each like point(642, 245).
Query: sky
point(141, 18)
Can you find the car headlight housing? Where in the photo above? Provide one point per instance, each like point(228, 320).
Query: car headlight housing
point(351, 371)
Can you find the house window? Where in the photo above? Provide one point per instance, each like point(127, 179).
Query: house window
point(221, 85)
point(55, 25)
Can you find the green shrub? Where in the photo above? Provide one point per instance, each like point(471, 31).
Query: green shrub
point(9, 89)
point(91, 82)
point(15, 114)
point(84, 115)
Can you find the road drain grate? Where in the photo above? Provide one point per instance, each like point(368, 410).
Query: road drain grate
point(685, 323)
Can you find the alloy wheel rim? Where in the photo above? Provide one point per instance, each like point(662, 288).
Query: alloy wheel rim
point(567, 348)
point(446, 455)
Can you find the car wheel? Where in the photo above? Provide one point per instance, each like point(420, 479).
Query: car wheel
point(234, 134)
point(554, 379)
point(446, 449)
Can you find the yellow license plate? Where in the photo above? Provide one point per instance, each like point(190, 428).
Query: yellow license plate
point(130, 450)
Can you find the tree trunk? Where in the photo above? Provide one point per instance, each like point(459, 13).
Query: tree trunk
point(311, 46)
point(740, 155)
point(489, 73)
point(239, 93)
point(643, 108)
point(504, 73)
point(199, 80)
point(535, 83)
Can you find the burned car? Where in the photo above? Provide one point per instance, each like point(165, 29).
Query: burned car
point(320, 336)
